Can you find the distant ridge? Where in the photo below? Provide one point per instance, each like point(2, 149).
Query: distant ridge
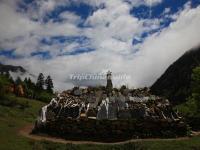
point(7, 68)
point(174, 84)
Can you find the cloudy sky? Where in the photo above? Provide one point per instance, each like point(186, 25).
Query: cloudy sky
point(139, 38)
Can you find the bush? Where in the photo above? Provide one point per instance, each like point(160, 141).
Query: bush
point(44, 96)
point(4, 82)
point(191, 109)
point(12, 101)
point(7, 100)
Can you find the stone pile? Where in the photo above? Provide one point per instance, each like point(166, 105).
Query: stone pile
point(107, 103)
point(96, 104)
point(105, 107)
point(140, 92)
point(64, 105)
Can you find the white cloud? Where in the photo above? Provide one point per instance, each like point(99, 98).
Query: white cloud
point(152, 2)
point(144, 2)
point(14, 24)
point(70, 17)
point(113, 28)
point(62, 29)
point(19, 32)
point(167, 10)
point(111, 33)
point(160, 50)
point(38, 9)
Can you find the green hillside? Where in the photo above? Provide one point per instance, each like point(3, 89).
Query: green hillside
point(14, 118)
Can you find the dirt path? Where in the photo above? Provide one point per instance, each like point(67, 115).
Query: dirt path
point(25, 131)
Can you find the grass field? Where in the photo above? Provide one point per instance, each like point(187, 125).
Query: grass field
point(12, 119)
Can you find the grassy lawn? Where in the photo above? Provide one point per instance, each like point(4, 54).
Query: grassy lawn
point(11, 119)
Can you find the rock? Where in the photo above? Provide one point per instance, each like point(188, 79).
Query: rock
point(102, 112)
point(112, 110)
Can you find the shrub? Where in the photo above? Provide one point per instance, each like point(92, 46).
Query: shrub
point(44, 96)
point(10, 100)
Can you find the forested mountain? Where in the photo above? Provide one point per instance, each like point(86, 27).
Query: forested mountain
point(7, 68)
point(176, 81)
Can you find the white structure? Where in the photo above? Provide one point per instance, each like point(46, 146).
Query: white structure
point(42, 117)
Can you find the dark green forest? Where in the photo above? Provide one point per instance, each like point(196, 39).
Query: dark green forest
point(175, 83)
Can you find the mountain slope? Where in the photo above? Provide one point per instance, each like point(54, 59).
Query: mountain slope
point(175, 82)
point(7, 68)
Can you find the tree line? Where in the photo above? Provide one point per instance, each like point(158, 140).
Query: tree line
point(41, 90)
point(191, 108)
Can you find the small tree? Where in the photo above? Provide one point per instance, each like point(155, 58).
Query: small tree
point(18, 81)
point(25, 80)
point(196, 86)
point(192, 107)
point(3, 83)
point(196, 80)
point(49, 84)
point(40, 82)
point(30, 84)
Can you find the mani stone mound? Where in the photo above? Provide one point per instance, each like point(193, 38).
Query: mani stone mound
point(109, 114)
point(92, 112)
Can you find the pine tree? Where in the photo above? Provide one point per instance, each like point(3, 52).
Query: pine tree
point(30, 87)
point(49, 84)
point(7, 75)
point(3, 83)
point(26, 80)
point(40, 82)
point(18, 81)
point(29, 83)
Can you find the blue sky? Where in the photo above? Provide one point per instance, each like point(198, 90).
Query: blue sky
point(104, 34)
point(157, 10)
point(85, 10)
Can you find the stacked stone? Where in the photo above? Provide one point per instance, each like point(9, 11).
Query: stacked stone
point(95, 103)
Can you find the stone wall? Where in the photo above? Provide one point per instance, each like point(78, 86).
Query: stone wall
point(112, 130)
